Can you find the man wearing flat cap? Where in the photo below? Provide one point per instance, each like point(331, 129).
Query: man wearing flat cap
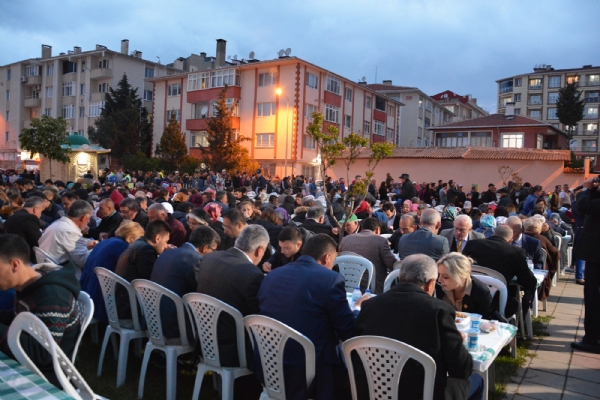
point(408, 190)
point(505, 200)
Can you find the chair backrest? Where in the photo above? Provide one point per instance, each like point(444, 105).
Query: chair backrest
point(348, 253)
point(397, 265)
point(270, 337)
point(108, 283)
point(86, 310)
point(479, 270)
point(205, 311)
point(544, 257)
point(63, 368)
point(353, 269)
point(42, 257)
point(386, 235)
point(383, 360)
point(558, 241)
point(389, 280)
point(149, 295)
point(495, 285)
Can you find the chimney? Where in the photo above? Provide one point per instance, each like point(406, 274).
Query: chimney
point(178, 63)
point(137, 54)
point(46, 51)
point(510, 109)
point(100, 47)
point(125, 46)
point(76, 49)
point(221, 44)
point(203, 55)
point(387, 82)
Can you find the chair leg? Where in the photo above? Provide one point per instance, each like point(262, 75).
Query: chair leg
point(144, 368)
point(137, 347)
point(107, 336)
point(122, 363)
point(227, 379)
point(94, 332)
point(529, 326)
point(521, 324)
point(115, 346)
point(513, 347)
point(171, 375)
point(199, 378)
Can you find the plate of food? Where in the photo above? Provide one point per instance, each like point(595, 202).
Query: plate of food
point(487, 327)
point(462, 320)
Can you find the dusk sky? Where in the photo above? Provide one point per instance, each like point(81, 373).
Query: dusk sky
point(463, 46)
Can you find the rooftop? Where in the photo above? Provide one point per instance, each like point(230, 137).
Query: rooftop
point(495, 121)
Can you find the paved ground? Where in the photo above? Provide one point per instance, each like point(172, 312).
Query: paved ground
point(555, 371)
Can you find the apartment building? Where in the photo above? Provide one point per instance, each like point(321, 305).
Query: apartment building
point(464, 107)
point(72, 85)
point(535, 95)
point(419, 112)
point(276, 124)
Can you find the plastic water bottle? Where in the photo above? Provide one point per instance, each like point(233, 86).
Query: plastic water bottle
point(368, 292)
point(357, 294)
point(530, 263)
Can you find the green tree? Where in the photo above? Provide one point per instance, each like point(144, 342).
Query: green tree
point(46, 137)
point(327, 142)
point(172, 148)
point(569, 108)
point(124, 125)
point(354, 145)
point(224, 150)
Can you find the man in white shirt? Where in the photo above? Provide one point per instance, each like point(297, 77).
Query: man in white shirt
point(564, 197)
point(63, 239)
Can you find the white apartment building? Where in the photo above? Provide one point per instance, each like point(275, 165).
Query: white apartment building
point(72, 85)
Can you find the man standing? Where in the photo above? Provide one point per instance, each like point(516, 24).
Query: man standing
point(565, 196)
point(504, 200)
point(489, 195)
point(260, 180)
point(408, 189)
point(26, 223)
point(111, 220)
point(159, 211)
point(461, 233)
point(374, 248)
point(425, 240)
point(452, 192)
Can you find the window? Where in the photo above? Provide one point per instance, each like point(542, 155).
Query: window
point(7, 115)
point(309, 142)
point(506, 86)
point(69, 67)
point(572, 79)
point(592, 80)
point(48, 112)
point(517, 111)
point(81, 112)
point(427, 123)
point(68, 88)
point(95, 109)
point(518, 81)
point(266, 109)
point(514, 140)
point(174, 89)
point(6, 136)
point(332, 113)
point(391, 110)
point(379, 128)
point(552, 97)
point(170, 113)
point(198, 81)
point(8, 95)
point(50, 70)
point(590, 129)
point(83, 66)
point(103, 87)
point(554, 82)
point(149, 72)
point(418, 142)
point(427, 105)
point(535, 99)
point(481, 139)
point(452, 139)
point(333, 84)
point(201, 110)
point(82, 89)
point(225, 77)
point(535, 83)
point(539, 142)
point(104, 64)
point(49, 92)
point(8, 74)
point(347, 121)
point(267, 79)
point(517, 97)
point(589, 145)
point(535, 114)
point(367, 127)
point(32, 70)
point(231, 103)
point(79, 132)
point(348, 94)
point(68, 111)
point(368, 102)
point(148, 95)
point(312, 80)
point(265, 140)
point(199, 139)
point(310, 109)
point(390, 134)
point(379, 103)
point(591, 112)
point(552, 113)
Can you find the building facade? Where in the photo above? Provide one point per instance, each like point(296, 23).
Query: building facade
point(72, 85)
point(535, 95)
point(463, 107)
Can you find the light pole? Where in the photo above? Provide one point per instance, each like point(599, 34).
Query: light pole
point(279, 93)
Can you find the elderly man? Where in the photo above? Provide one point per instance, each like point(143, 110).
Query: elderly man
point(158, 211)
point(425, 240)
point(532, 246)
point(461, 233)
point(431, 330)
point(408, 224)
point(315, 222)
point(130, 210)
point(26, 223)
point(53, 211)
point(111, 220)
point(63, 239)
point(374, 248)
point(533, 228)
point(352, 225)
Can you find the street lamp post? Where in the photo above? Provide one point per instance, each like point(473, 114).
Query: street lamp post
point(279, 93)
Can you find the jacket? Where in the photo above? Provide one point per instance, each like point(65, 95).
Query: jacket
point(425, 242)
point(178, 232)
point(108, 225)
point(449, 234)
point(279, 260)
point(27, 226)
point(586, 246)
point(478, 301)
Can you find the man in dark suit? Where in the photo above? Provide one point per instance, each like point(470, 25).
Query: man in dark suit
point(111, 220)
point(26, 223)
point(388, 315)
point(531, 245)
point(497, 253)
point(461, 234)
point(307, 296)
point(408, 189)
point(315, 218)
point(176, 270)
point(130, 210)
point(232, 277)
point(374, 248)
point(425, 239)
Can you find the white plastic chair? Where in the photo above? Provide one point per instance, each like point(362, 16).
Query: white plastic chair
point(397, 265)
point(63, 368)
point(270, 337)
point(205, 311)
point(353, 269)
point(387, 285)
point(86, 310)
point(495, 285)
point(108, 283)
point(386, 235)
point(383, 360)
point(348, 253)
point(479, 270)
point(149, 295)
point(42, 257)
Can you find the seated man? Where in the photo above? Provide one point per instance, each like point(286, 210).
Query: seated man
point(408, 224)
point(461, 233)
point(388, 216)
point(26, 223)
point(159, 211)
point(315, 222)
point(425, 239)
point(291, 239)
point(111, 220)
point(130, 210)
point(431, 330)
point(48, 291)
point(532, 246)
point(533, 227)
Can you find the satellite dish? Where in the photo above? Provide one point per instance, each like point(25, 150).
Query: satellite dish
point(235, 57)
point(251, 55)
point(288, 51)
point(364, 79)
point(281, 52)
point(204, 110)
point(229, 57)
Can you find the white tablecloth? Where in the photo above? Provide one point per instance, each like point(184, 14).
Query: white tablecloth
point(493, 342)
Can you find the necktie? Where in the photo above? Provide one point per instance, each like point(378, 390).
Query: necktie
point(459, 246)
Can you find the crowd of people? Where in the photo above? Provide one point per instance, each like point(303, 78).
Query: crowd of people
point(268, 246)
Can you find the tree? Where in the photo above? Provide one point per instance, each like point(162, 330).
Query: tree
point(172, 149)
point(46, 137)
point(569, 108)
point(124, 125)
point(354, 145)
point(329, 149)
point(224, 150)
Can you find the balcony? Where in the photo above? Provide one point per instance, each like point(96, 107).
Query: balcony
point(590, 116)
point(98, 96)
point(589, 132)
point(586, 149)
point(34, 80)
point(588, 82)
point(595, 99)
point(534, 102)
point(32, 102)
point(506, 90)
point(101, 73)
point(536, 87)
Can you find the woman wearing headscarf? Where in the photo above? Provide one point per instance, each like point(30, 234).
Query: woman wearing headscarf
point(362, 211)
point(487, 225)
point(448, 216)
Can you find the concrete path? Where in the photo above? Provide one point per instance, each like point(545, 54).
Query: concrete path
point(555, 372)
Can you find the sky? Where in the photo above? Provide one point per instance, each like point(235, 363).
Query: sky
point(463, 46)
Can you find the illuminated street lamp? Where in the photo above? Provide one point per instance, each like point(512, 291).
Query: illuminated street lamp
point(279, 92)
